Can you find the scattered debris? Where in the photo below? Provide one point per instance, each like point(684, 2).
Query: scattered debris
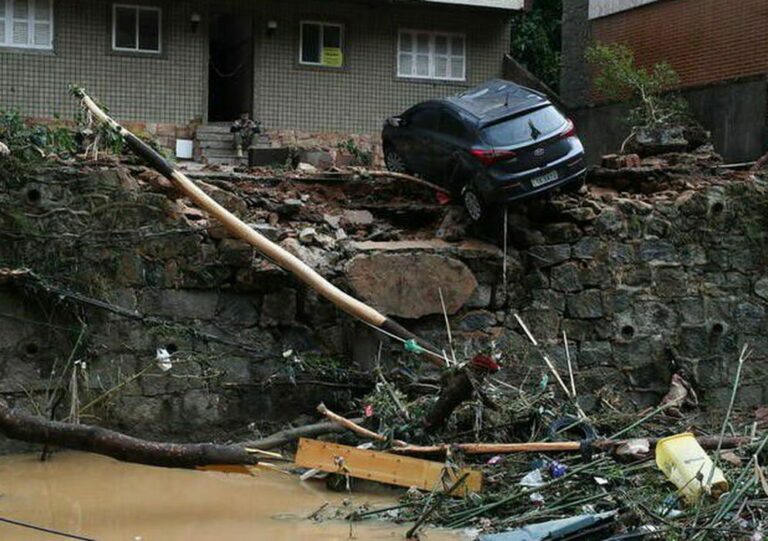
point(386, 467)
point(554, 529)
point(686, 464)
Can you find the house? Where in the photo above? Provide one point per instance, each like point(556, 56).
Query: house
point(301, 67)
point(717, 47)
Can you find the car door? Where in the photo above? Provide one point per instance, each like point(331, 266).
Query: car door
point(416, 143)
point(452, 136)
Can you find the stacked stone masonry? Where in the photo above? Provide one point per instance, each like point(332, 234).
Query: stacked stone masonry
point(643, 286)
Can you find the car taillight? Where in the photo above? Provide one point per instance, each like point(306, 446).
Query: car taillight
point(489, 157)
point(569, 130)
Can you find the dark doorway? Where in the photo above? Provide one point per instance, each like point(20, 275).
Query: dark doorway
point(230, 78)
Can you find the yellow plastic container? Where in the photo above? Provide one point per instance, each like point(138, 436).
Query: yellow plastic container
point(688, 466)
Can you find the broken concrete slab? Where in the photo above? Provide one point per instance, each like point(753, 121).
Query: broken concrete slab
point(465, 248)
point(407, 285)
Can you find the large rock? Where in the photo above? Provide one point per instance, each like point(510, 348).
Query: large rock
point(406, 285)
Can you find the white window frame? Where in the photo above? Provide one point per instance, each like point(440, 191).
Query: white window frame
point(8, 19)
point(136, 49)
point(414, 33)
point(322, 24)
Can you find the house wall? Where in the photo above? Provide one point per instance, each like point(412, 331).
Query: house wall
point(358, 97)
point(705, 41)
point(158, 89)
point(171, 88)
point(733, 112)
point(717, 47)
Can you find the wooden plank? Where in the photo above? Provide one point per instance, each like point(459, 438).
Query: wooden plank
point(383, 467)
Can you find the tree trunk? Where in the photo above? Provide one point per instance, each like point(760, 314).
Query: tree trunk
point(22, 426)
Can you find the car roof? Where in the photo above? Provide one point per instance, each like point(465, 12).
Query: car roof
point(494, 100)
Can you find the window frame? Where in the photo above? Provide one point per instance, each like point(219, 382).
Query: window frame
point(8, 20)
point(342, 30)
point(137, 8)
point(414, 32)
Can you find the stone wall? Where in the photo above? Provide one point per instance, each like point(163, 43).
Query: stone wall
point(331, 146)
point(644, 286)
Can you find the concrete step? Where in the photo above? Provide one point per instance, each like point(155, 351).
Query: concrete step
point(227, 161)
point(260, 141)
point(215, 143)
point(214, 137)
point(214, 128)
point(219, 152)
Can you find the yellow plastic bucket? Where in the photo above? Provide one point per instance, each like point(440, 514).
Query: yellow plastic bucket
point(688, 466)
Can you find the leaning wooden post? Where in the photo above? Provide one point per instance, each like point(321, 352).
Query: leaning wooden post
point(269, 249)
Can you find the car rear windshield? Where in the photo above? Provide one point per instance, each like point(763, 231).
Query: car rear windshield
point(526, 128)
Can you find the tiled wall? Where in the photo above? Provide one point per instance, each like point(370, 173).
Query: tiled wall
point(164, 88)
point(172, 88)
point(363, 93)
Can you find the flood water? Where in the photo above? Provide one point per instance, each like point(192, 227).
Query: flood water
point(100, 498)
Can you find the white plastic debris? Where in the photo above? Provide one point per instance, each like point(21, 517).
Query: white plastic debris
point(307, 235)
point(532, 479)
point(304, 167)
point(163, 359)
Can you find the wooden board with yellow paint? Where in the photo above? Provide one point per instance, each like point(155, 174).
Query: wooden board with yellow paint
point(383, 467)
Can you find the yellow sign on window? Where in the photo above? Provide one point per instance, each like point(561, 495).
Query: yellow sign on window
point(332, 57)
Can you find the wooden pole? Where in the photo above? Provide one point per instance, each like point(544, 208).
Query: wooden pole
point(354, 427)
point(269, 249)
point(707, 442)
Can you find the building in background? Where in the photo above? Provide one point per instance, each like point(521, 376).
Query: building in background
point(302, 67)
point(717, 47)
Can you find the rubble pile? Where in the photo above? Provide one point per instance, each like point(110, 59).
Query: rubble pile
point(614, 318)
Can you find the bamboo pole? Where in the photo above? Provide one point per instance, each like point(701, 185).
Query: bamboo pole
point(269, 249)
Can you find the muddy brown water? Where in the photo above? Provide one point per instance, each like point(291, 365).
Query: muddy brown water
point(100, 498)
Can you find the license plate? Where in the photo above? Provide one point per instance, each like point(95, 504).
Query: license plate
point(544, 179)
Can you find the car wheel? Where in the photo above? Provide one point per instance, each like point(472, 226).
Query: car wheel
point(473, 203)
point(394, 161)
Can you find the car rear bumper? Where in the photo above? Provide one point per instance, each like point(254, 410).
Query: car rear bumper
point(506, 190)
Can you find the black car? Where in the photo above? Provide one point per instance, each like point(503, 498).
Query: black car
point(493, 144)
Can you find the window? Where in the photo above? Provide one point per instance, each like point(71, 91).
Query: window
point(321, 44)
point(526, 128)
point(136, 28)
point(431, 55)
point(26, 23)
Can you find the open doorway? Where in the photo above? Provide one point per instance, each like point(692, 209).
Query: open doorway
point(230, 70)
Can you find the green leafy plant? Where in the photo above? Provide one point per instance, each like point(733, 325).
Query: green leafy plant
point(536, 41)
point(361, 157)
point(29, 144)
point(619, 78)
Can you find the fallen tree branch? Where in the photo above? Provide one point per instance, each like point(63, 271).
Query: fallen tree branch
point(354, 427)
point(401, 176)
point(19, 425)
point(290, 435)
point(22, 426)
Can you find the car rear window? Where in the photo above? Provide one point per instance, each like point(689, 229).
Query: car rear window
point(525, 128)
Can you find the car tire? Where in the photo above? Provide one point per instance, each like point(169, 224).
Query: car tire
point(394, 161)
point(473, 203)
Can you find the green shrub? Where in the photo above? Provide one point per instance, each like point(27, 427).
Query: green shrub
point(619, 78)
